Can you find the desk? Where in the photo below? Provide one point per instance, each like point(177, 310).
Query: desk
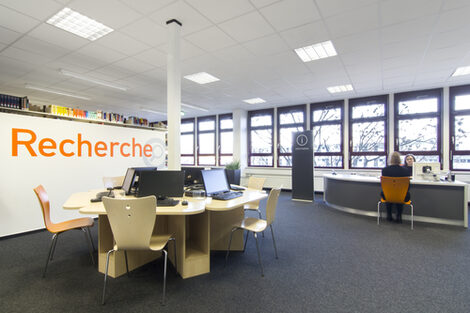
point(193, 225)
point(434, 201)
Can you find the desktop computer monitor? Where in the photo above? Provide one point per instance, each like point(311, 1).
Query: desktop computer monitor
point(138, 172)
point(128, 180)
point(215, 181)
point(422, 170)
point(161, 184)
point(192, 175)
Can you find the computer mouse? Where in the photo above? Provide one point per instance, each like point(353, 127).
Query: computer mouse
point(184, 202)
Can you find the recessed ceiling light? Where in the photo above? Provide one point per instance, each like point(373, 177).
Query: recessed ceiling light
point(317, 51)
point(342, 88)
point(57, 92)
point(202, 78)
point(463, 70)
point(78, 24)
point(254, 100)
point(92, 80)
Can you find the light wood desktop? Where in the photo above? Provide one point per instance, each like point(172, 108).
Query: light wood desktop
point(200, 226)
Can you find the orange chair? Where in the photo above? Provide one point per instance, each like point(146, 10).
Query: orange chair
point(395, 190)
point(57, 228)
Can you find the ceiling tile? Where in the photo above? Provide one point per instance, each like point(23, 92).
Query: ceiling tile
point(454, 4)
point(134, 65)
point(359, 41)
point(16, 21)
point(211, 39)
point(355, 21)
point(263, 3)
point(453, 19)
point(78, 60)
point(58, 37)
point(290, 13)
point(408, 30)
point(37, 46)
point(8, 36)
point(406, 48)
point(247, 27)
point(147, 32)
point(147, 6)
point(123, 43)
point(218, 11)
point(332, 7)
point(269, 45)
point(100, 11)
point(40, 10)
point(152, 56)
point(306, 35)
point(100, 52)
point(188, 50)
point(396, 11)
point(191, 19)
point(233, 54)
point(25, 56)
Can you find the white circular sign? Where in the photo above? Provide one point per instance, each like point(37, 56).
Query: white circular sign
point(301, 140)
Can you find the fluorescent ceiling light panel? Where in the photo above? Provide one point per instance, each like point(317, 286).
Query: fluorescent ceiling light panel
point(463, 70)
point(92, 80)
point(254, 101)
point(202, 78)
point(153, 111)
point(57, 92)
point(194, 107)
point(342, 88)
point(79, 24)
point(317, 51)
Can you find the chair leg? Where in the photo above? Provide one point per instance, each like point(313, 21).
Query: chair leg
point(89, 245)
point(274, 241)
point(260, 217)
point(53, 247)
point(106, 275)
point(229, 244)
point(246, 240)
point(378, 213)
point(91, 238)
point(127, 263)
point(259, 254)
point(164, 275)
point(49, 255)
point(411, 216)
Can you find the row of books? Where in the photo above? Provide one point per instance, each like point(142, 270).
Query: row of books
point(13, 102)
point(22, 103)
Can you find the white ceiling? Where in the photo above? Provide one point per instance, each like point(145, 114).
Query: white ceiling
point(383, 46)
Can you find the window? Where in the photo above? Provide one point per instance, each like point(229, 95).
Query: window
point(289, 121)
point(368, 132)
point(260, 137)
point(460, 128)
point(417, 124)
point(206, 140)
point(187, 141)
point(225, 139)
point(327, 128)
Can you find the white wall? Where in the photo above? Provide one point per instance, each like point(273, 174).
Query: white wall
point(61, 175)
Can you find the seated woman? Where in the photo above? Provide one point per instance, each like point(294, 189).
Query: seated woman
point(395, 170)
point(409, 160)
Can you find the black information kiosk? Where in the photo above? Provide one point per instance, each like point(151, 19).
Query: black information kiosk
point(302, 166)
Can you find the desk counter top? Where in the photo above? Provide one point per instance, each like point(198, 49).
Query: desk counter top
point(249, 195)
point(375, 179)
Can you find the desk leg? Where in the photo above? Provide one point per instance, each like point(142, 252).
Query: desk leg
point(117, 262)
point(221, 226)
point(192, 241)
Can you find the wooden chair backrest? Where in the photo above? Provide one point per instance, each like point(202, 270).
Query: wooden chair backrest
point(395, 188)
point(271, 205)
point(256, 182)
point(132, 221)
point(45, 205)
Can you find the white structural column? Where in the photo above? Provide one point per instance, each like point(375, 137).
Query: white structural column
point(240, 136)
point(174, 95)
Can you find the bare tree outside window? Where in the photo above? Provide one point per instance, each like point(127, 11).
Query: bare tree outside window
point(460, 128)
point(290, 121)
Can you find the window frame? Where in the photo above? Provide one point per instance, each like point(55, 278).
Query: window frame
point(368, 101)
point(415, 95)
point(228, 116)
point(199, 132)
point(453, 92)
point(193, 132)
point(295, 108)
point(250, 128)
point(328, 105)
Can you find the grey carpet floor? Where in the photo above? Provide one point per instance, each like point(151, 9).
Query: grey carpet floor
point(329, 261)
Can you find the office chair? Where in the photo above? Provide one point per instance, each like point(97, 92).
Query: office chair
point(255, 225)
point(83, 224)
point(112, 182)
point(255, 183)
point(395, 190)
point(132, 223)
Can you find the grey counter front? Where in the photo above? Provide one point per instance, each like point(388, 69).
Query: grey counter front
point(434, 201)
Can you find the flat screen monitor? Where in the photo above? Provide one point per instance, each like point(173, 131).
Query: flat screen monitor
point(422, 170)
point(215, 181)
point(161, 184)
point(192, 175)
point(128, 180)
point(138, 171)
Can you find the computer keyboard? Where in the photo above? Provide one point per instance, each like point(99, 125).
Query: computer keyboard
point(227, 195)
point(237, 188)
point(100, 195)
point(167, 202)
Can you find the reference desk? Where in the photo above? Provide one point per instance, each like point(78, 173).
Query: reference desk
point(201, 226)
point(439, 202)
